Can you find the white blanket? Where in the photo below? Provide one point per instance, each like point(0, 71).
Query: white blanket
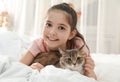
point(52, 74)
point(13, 71)
point(107, 67)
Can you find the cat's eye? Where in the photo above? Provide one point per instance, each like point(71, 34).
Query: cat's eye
point(78, 58)
point(69, 59)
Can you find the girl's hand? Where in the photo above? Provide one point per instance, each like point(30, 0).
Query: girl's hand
point(89, 68)
point(37, 66)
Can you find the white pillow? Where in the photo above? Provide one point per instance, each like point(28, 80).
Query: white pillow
point(107, 67)
point(10, 44)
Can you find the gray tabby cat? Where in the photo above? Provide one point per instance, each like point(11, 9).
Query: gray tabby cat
point(73, 59)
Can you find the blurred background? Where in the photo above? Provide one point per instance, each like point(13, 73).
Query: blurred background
point(99, 20)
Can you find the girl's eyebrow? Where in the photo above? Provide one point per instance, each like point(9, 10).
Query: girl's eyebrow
point(63, 25)
point(48, 21)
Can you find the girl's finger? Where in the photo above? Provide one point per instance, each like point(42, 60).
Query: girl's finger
point(90, 61)
point(90, 73)
point(37, 66)
point(89, 66)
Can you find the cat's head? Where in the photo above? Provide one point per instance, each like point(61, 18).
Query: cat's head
point(73, 59)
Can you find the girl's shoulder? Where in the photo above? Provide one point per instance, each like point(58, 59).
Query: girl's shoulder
point(38, 39)
point(38, 46)
point(38, 42)
point(41, 44)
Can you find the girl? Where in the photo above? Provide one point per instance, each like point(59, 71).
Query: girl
point(59, 32)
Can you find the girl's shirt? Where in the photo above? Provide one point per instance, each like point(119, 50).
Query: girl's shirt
point(40, 46)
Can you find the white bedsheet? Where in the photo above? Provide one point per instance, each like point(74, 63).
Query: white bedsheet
point(13, 71)
point(107, 67)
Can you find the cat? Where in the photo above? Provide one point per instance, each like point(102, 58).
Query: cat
point(73, 59)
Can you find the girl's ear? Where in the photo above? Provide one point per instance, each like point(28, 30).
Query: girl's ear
point(72, 34)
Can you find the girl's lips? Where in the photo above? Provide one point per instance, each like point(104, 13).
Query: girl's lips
point(52, 39)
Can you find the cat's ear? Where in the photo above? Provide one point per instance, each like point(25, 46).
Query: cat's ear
point(62, 51)
point(84, 50)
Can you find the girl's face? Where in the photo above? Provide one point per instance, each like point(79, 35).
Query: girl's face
point(56, 30)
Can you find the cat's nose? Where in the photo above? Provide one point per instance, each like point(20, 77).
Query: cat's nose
point(74, 63)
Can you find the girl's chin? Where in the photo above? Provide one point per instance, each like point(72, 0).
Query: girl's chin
point(52, 48)
point(51, 45)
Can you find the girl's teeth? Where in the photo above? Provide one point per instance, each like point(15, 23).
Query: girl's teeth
point(52, 39)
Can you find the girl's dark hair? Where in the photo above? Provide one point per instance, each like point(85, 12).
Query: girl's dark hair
point(72, 20)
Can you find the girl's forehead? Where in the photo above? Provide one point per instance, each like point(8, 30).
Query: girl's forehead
point(58, 16)
point(58, 11)
point(54, 10)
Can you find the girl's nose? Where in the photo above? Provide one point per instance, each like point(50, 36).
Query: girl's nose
point(53, 32)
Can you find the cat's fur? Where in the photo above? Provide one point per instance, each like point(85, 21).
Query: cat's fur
point(48, 58)
point(73, 59)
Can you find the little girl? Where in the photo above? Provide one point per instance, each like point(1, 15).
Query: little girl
point(59, 32)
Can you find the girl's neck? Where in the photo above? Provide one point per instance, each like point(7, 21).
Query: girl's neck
point(53, 49)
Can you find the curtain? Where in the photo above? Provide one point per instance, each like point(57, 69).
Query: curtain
point(108, 26)
point(99, 20)
point(100, 25)
point(21, 15)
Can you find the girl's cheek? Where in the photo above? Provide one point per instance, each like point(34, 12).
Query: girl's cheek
point(46, 30)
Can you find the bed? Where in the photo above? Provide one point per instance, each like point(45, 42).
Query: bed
point(12, 47)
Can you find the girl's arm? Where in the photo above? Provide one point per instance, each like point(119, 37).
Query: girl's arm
point(89, 65)
point(89, 68)
point(27, 58)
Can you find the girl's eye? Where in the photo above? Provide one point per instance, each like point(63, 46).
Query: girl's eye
point(61, 28)
point(48, 25)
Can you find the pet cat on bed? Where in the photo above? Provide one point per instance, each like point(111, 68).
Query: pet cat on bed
point(73, 59)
